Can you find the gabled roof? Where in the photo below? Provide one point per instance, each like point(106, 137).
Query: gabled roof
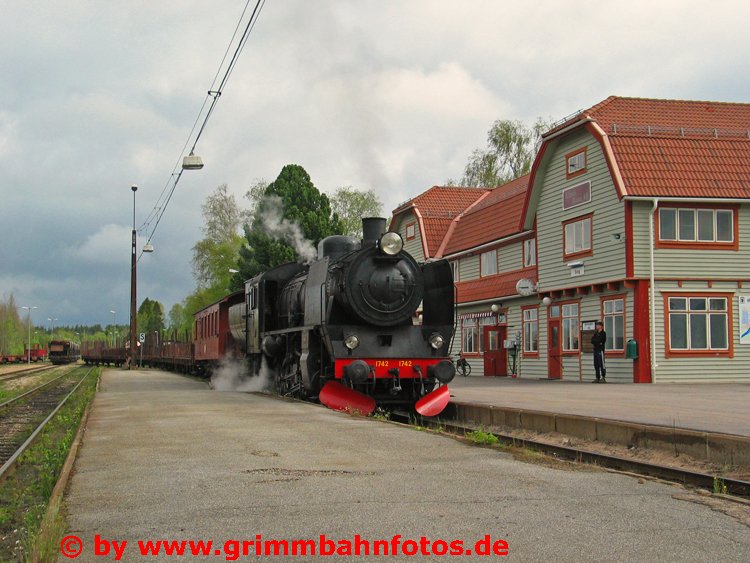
point(676, 148)
point(496, 216)
point(663, 148)
point(436, 209)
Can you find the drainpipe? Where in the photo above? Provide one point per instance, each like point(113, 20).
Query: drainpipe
point(652, 292)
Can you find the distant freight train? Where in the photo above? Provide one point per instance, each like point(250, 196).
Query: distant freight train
point(340, 330)
point(36, 354)
point(64, 352)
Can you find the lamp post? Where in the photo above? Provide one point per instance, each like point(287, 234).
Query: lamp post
point(114, 325)
point(133, 261)
point(28, 322)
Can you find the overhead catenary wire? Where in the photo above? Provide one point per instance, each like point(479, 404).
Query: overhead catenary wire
point(214, 93)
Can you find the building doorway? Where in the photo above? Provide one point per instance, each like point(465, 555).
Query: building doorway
point(554, 355)
point(495, 354)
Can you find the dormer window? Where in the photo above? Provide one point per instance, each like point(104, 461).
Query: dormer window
point(411, 231)
point(575, 163)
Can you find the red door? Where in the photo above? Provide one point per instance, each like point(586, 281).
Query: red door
point(554, 358)
point(495, 354)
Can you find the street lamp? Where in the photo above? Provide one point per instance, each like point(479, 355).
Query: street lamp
point(28, 322)
point(114, 325)
point(133, 261)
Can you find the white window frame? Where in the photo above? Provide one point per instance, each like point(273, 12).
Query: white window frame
point(469, 334)
point(488, 263)
point(695, 213)
point(531, 330)
point(612, 309)
point(529, 253)
point(688, 306)
point(456, 267)
point(576, 187)
point(576, 162)
point(571, 334)
point(578, 235)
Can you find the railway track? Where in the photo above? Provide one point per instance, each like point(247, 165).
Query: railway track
point(25, 371)
point(22, 418)
point(734, 487)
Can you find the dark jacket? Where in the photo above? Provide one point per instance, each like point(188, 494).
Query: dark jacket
point(598, 340)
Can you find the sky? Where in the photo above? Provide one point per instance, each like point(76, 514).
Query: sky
point(387, 95)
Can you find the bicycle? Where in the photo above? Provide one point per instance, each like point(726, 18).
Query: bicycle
point(463, 367)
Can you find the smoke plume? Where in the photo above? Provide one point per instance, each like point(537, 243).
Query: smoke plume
point(273, 221)
point(233, 375)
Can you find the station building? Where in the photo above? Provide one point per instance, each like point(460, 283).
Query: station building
point(629, 195)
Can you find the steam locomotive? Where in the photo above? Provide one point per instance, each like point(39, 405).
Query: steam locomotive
point(342, 328)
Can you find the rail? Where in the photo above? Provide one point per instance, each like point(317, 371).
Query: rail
point(23, 372)
point(11, 461)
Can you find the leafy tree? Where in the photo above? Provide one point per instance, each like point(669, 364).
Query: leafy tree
point(255, 194)
point(13, 330)
point(511, 147)
point(288, 222)
point(217, 252)
point(351, 205)
point(150, 316)
point(179, 318)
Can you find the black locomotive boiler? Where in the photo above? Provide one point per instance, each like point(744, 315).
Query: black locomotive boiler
point(344, 328)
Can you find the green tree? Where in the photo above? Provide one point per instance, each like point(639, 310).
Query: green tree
point(511, 147)
point(288, 222)
point(351, 205)
point(217, 252)
point(180, 319)
point(13, 330)
point(254, 195)
point(150, 316)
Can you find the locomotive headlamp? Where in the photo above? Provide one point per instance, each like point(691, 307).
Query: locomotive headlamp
point(391, 243)
point(436, 340)
point(351, 341)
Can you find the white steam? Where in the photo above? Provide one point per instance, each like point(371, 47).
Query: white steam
point(283, 229)
point(233, 375)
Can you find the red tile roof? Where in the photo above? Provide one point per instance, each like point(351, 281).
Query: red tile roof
point(491, 287)
point(676, 148)
point(496, 216)
point(438, 207)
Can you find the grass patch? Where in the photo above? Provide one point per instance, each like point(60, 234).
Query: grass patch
point(482, 438)
point(25, 493)
point(720, 487)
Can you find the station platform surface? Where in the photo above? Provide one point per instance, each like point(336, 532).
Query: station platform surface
point(706, 407)
point(165, 458)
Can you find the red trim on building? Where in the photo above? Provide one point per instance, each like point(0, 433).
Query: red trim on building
point(698, 245)
point(629, 261)
point(583, 170)
point(589, 251)
point(624, 297)
point(641, 320)
point(728, 353)
point(523, 332)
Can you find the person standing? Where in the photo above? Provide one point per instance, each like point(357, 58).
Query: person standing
point(599, 339)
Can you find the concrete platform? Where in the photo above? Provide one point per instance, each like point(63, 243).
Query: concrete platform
point(707, 421)
point(166, 458)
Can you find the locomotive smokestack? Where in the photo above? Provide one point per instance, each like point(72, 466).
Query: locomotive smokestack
point(372, 229)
